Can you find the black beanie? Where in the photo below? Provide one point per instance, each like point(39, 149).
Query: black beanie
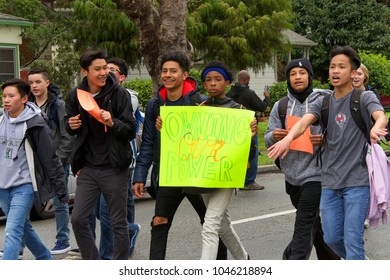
point(302, 63)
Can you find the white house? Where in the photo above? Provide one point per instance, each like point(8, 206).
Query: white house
point(10, 41)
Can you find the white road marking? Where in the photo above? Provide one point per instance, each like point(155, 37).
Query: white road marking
point(263, 217)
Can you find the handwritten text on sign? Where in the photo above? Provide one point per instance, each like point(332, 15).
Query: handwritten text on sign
point(204, 146)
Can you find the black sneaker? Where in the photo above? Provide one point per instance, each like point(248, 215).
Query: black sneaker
point(19, 257)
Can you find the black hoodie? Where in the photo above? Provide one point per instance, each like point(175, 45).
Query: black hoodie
point(93, 146)
point(243, 95)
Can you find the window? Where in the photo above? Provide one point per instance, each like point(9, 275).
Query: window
point(7, 63)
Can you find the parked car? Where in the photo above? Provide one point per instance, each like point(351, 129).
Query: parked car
point(41, 211)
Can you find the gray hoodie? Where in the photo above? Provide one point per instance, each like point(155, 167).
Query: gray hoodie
point(13, 160)
point(298, 167)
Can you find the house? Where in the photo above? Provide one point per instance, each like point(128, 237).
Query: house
point(10, 42)
point(272, 73)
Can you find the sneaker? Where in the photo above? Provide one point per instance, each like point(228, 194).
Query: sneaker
point(253, 187)
point(60, 248)
point(366, 223)
point(19, 257)
point(74, 252)
point(133, 239)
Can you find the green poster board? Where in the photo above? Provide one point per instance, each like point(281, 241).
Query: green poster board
point(204, 146)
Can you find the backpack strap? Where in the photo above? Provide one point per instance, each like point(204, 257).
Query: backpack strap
point(356, 112)
point(282, 110)
point(325, 113)
point(324, 127)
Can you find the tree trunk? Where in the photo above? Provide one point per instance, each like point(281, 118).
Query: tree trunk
point(160, 30)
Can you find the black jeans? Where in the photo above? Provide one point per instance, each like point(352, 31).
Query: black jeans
point(168, 200)
point(114, 186)
point(307, 228)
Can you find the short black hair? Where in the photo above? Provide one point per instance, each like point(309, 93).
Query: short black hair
point(121, 63)
point(354, 58)
point(22, 86)
point(90, 55)
point(38, 70)
point(218, 64)
point(178, 57)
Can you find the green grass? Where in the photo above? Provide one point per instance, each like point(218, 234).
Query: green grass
point(263, 158)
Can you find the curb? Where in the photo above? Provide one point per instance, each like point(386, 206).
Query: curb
point(270, 168)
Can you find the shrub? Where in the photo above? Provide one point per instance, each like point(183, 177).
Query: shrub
point(196, 75)
point(379, 69)
point(144, 87)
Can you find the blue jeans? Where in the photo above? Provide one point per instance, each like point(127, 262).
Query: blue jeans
point(106, 235)
point(16, 203)
point(251, 172)
point(343, 212)
point(61, 213)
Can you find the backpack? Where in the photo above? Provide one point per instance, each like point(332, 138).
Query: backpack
point(53, 113)
point(139, 125)
point(355, 112)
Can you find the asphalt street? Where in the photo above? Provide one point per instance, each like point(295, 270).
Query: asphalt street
point(263, 220)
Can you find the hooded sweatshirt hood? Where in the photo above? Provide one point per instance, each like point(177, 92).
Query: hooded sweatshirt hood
point(189, 86)
point(15, 170)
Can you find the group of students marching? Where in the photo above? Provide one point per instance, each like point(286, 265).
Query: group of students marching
point(38, 149)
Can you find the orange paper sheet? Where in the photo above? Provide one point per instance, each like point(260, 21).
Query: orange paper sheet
point(89, 104)
point(302, 143)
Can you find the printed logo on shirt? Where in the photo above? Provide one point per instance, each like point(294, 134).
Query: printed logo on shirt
point(340, 119)
point(8, 153)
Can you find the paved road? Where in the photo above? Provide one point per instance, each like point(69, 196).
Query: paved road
point(263, 220)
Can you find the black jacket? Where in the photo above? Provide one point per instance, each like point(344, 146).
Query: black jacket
point(49, 172)
point(116, 100)
point(245, 96)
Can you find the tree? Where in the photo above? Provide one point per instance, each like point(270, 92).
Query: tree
point(242, 33)
point(134, 29)
point(364, 25)
point(50, 29)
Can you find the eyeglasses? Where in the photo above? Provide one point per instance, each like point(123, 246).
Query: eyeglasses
point(114, 70)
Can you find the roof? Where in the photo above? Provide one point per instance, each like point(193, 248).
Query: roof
point(297, 40)
point(6, 19)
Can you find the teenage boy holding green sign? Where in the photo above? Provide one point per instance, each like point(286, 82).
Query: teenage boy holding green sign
point(216, 78)
point(178, 89)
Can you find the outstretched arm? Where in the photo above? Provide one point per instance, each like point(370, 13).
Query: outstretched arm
point(282, 147)
point(379, 129)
